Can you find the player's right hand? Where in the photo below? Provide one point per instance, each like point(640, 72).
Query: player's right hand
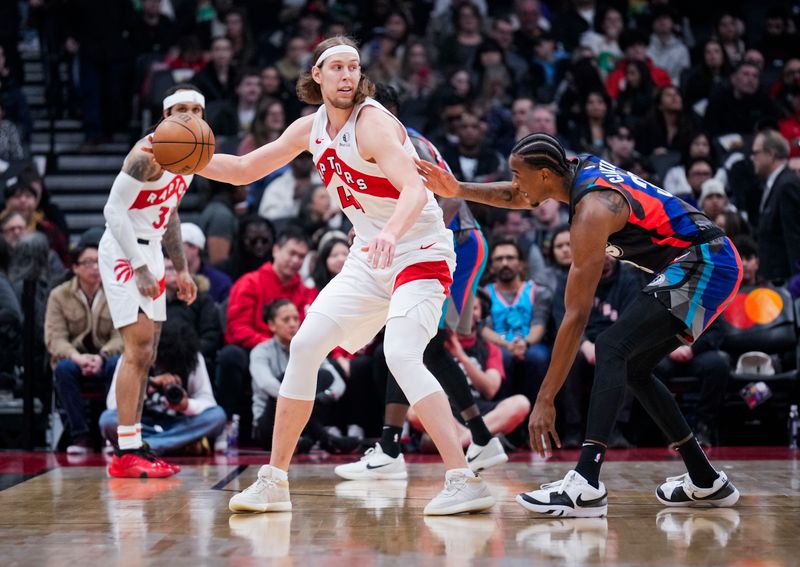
point(146, 282)
point(437, 179)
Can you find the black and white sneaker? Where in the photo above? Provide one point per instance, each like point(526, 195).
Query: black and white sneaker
point(572, 497)
point(679, 491)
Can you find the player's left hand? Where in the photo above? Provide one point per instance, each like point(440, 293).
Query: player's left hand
point(187, 289)
point(380, 252)
point(541, 425)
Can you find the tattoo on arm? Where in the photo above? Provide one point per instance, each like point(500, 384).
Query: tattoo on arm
point(495, 194)
point(141, 167)
point(612, 200)
point(173, 243)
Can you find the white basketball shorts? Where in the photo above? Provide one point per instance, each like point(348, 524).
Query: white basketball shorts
point(119, 283)
point(361, 299)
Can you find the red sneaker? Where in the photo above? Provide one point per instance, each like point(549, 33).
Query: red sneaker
point(138, 465)
point(151, 455)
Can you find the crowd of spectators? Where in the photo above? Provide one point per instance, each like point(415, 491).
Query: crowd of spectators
point(702, 99)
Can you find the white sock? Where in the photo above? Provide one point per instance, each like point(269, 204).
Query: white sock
point(279, 474)
point(453, 472)
point(129, 437)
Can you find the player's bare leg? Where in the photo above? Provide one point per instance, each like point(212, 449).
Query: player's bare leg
point(291, 416)
point(132, 459)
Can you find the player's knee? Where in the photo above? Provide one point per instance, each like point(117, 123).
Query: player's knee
point(140, 354)
point(399, 359)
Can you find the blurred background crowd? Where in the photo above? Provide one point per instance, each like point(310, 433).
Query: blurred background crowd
point(700, 98)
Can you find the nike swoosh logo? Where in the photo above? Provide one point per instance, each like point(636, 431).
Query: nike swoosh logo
point(370, 467)
point(591, 503)
point(426, 247)
point(470, 459)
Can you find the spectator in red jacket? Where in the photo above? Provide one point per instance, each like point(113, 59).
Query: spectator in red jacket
point(634, 47)
point(246, 328)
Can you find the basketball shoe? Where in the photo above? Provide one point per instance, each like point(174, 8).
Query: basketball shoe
point(679, 491)
point(573, 496)
point(146, 448)
point(461, 493)
point(376, 465)
point(481, 457)
point(138, 464)
point(266, 494)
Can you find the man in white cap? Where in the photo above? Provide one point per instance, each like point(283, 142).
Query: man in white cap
point(713, 199)
point(397, 274)
point(142, 216)
point(194, 244)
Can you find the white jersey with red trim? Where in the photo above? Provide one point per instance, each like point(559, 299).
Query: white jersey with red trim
point(361, 189)
point(150, 209)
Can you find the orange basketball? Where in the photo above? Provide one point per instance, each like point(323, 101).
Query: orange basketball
point(183, 143)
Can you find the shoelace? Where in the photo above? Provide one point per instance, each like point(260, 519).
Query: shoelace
point(680, 478)
point(454, 484)
point(368, 453)
point(568, 481)
point(260, 485)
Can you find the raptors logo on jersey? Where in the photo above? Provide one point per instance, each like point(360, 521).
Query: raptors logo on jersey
point(360, 188)
point(153, 205)
point(151, 197)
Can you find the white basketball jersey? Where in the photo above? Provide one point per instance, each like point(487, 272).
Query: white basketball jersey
point(360, 188)
point(150, 211)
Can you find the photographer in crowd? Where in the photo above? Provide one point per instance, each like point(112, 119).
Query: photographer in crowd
point(180, 412)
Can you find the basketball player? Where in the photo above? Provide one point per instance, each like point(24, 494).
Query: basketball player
point(397, 274)
point(384, 460)
point(695, 273)
point(141, 217)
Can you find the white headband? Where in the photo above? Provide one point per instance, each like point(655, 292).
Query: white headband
point(335, 50)
point(184, 96)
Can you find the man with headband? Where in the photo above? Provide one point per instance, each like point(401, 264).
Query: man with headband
point(142, 216)
point(398, 272)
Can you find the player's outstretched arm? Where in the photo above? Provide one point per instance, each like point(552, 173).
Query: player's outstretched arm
point(380, 138)
point(501, 194)
point(243, 170)
point(597, 216)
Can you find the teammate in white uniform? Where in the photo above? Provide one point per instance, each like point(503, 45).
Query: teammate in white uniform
point(141, 216)
point(397, 274)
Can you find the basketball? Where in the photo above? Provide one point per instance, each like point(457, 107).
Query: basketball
point(183, 143)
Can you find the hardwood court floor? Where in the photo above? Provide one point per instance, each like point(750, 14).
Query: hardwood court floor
point(75, 515)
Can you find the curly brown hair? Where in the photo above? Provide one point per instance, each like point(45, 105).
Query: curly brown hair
point(308, 90)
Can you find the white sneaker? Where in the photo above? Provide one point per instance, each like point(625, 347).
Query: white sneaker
point(679, 491)
point(481, 457)
point(355, 430)
point(266, 494)
point(573, 496)
point(376, 465)
point(461, 493)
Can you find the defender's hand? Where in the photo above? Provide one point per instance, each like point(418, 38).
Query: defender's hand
point(187, 289)
point(437, 179)
point(541, 425)
point(146, 282)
